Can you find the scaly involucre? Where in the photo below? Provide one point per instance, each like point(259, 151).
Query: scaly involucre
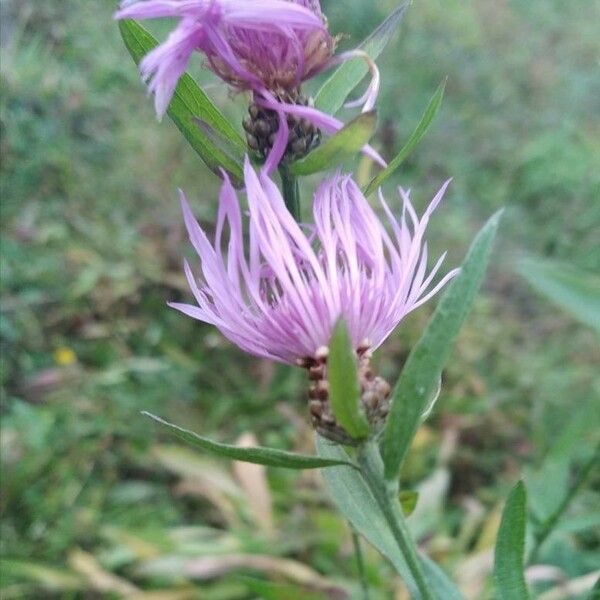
point(281, 298)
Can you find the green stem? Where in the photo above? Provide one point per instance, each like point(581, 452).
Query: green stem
point(550, 523)
point(372, 472)
point(291, 191)
point(360, 565)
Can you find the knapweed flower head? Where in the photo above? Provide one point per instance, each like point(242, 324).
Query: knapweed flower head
point(250, 44)
point(281, 296)
point(266, 46)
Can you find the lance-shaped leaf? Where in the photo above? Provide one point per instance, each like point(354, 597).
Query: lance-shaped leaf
point(344, 144)
point(573, 290)
point(356, 502)
point(190, 103)
point(510, 546)
point(332, 95)
point(270, 457)
point(344, 390)
point(421, 373)
point(415, 137)
point(234, 151)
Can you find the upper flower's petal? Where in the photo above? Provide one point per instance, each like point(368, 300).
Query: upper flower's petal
point(322, 120)
point(266, 15)
point(368, 99)
point(313, 5)
point(157, 9)
point(164, 65)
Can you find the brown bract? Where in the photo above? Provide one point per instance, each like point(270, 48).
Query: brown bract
point(374, 395)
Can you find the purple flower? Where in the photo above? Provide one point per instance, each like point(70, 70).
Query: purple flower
point(281, 296)
point(267, 46)
point(252, 44)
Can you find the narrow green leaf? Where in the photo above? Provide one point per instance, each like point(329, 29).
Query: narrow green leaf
point(190, 103)
point(415, 137)
point(356, 503)
point(573, 290)
point(259, 455)
point(232, 150)
point(510, 546)
point(422, 370)
point(344, 144)
point(344, 390)
point(332, 95)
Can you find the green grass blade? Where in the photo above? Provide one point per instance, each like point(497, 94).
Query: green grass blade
point(190, 103)
point(332, 95)
point(344, 390)
point(510, 546)
point(46, 576)
point(415, 137)
point(344, 144)
point(573, 290)
point(266, 590)
point(420, 375)
point(263, 456)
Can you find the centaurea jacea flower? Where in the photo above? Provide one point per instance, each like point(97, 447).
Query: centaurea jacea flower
point(281, 297)
point(268, 47)
point(250, 44)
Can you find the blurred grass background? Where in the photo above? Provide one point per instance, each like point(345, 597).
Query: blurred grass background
point(96, 501)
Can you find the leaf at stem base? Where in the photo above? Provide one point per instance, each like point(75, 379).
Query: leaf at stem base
point(270, 457)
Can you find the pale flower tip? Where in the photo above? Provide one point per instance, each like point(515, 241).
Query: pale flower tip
point(185, 206)
point(161, 106)
point(322, 353)
point(225, 177)
point(446, 184)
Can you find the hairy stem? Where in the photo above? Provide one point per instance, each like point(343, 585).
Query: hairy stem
point(360, 565)
point(550, 523)
point(291, 191)
point(372, 472)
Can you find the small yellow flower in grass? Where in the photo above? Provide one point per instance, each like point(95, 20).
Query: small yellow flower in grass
point(64, 356)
